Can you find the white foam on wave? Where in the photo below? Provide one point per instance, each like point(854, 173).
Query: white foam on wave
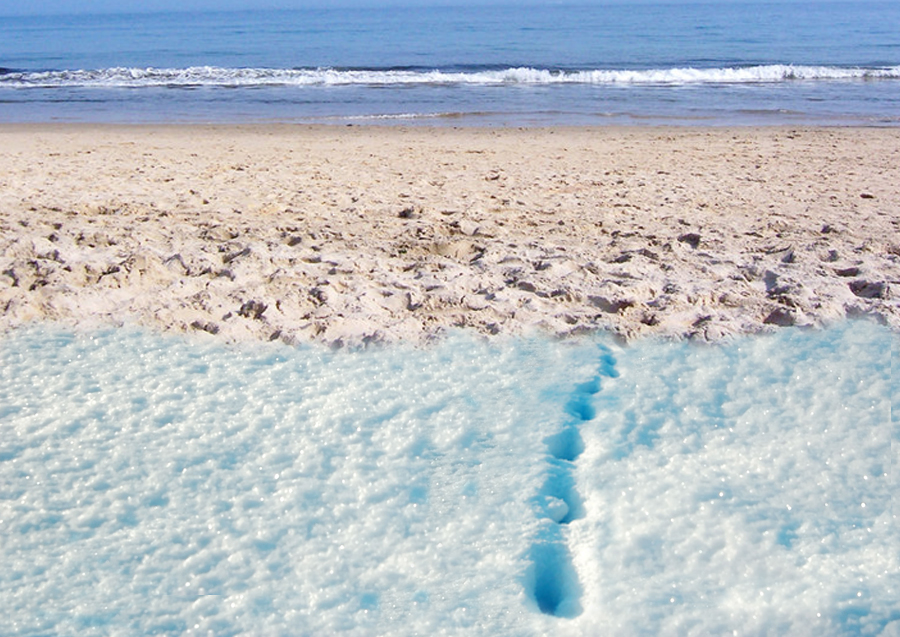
point(255, 77)
point(151, 484)
point(398, 116)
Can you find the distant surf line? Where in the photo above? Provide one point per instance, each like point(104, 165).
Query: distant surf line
point(214, 76)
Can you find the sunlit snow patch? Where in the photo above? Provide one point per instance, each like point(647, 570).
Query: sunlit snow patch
point(745, 487)
point(150, 484)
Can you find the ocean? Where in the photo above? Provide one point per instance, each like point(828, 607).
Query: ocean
point(734, 63)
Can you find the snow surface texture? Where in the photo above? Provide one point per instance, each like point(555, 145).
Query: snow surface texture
point(155, 484)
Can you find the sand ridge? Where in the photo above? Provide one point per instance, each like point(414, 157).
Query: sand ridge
point(353, 235)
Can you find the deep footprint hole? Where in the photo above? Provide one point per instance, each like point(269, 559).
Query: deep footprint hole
point(581, 407)
point(565, 445)
point(561, 485)
point(556, 590)
point(608, 366)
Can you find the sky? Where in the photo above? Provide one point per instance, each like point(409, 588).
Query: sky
point(44, 7)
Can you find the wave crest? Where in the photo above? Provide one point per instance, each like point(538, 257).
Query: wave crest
point(196, 76)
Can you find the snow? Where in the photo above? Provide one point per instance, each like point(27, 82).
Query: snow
point(155, 484)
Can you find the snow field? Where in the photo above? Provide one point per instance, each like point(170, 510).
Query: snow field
point(158, 486)
point(152, 484)
point(745, 487)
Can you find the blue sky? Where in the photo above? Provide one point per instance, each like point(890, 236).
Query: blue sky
point(18, 7)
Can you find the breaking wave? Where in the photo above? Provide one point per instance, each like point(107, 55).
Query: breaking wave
point(211, 76)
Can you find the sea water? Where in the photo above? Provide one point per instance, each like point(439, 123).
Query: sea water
point(156, 484)
point(658, 63)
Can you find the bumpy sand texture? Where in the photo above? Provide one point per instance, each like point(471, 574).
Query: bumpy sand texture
point(354, 235)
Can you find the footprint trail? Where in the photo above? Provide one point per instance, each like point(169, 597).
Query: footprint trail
point(553, 580)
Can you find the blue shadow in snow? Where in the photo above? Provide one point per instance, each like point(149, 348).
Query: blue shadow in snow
point(551, 579)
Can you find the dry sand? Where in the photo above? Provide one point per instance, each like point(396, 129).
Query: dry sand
point(351, 235)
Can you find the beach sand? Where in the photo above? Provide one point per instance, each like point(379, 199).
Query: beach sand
point(353, 235)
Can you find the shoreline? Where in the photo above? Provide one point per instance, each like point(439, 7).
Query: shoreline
point(356, 234)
